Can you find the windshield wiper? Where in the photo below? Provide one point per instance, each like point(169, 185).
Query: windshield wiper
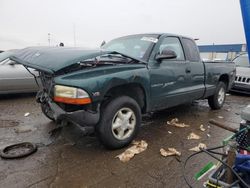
point(117, 55)
point(94, 63)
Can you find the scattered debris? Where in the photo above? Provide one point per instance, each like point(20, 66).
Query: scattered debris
point(170, 152)
point(228, 109)
point(23, 129)
point(138, 147)
point(227, 94)
point(18, 150)
point(202, 128)
point(220, 117)
point(170, 132)
point(193, 136)
point(175, 123)
point(208, 135)
point(208, 127)
point(26, 114)
point(197, 148)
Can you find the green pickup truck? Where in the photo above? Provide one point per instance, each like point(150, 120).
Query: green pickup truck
point(107, 90)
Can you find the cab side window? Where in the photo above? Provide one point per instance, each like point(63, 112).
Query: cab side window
point(173, 43)
point(191, 50)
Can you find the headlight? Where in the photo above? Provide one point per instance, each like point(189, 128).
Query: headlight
point(71, 95)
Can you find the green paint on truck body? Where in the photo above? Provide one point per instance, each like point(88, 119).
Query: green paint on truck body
point(165, 83)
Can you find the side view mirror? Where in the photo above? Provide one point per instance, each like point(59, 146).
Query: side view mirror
point(166, 54)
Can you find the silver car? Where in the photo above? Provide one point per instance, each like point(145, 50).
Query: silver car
point(242, 79)
point(15, 78)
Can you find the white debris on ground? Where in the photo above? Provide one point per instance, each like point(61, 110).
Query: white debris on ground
point(193, 136)
point(169, 132)
point(26, 114)
point(175, 122)
point(208, 135)
point(169, 152)
point(202, 128)
point(138, 147)
point(220, 117)
point(197, 148)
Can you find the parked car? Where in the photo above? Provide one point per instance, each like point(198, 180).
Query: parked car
point(107, 90)
point(242, 79)
point(14, 77)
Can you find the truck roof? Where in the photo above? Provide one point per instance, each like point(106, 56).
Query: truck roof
point(155, 34)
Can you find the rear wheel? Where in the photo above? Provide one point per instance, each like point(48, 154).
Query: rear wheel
point(217, 100)
point(120, 122)
point(47, 111)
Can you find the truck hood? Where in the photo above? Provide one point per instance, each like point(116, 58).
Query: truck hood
point(53, 59)
point(7, 54)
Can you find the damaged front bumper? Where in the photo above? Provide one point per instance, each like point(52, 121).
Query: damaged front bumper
point(83, 119)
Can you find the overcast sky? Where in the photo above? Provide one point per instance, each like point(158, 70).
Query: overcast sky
point(28, 22)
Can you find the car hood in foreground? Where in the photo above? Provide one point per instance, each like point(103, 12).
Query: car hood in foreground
point(53, 59)
point(243, 71)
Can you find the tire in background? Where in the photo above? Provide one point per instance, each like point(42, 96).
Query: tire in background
point(217, 100)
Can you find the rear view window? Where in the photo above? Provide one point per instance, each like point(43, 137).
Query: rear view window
point(191, 50)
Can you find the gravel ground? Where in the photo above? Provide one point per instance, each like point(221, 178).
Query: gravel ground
point(69, 159)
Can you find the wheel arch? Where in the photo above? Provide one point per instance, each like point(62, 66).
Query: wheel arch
point(133, 90)
point(224, 78)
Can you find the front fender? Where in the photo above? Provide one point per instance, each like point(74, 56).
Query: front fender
point(97, 82)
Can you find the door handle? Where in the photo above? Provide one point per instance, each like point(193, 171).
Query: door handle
point(188, 70)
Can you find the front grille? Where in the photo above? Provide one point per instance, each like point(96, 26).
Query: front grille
point(242, 79)
point(47, 82)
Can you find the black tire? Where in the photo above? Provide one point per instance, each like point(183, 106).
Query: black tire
point(29, 149)
point(47, 111)
point(109, 113)
point(217, 100)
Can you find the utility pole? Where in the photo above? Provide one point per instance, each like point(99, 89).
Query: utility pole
point(49, 38)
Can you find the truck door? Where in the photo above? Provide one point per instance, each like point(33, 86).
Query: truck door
point(196, 69)
point(169, 80)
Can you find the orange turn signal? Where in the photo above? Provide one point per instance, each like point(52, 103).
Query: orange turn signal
point(72, 100)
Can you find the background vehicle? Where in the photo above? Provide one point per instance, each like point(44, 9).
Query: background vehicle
point(242, 79)
point(107, 90)
point(14, 78)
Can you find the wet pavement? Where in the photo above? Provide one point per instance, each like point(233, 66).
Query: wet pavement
point(69, 159)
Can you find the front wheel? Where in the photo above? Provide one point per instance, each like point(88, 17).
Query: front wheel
point(217, 100)
point(120, 122)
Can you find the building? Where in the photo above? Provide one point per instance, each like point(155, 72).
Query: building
point(221, 52)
